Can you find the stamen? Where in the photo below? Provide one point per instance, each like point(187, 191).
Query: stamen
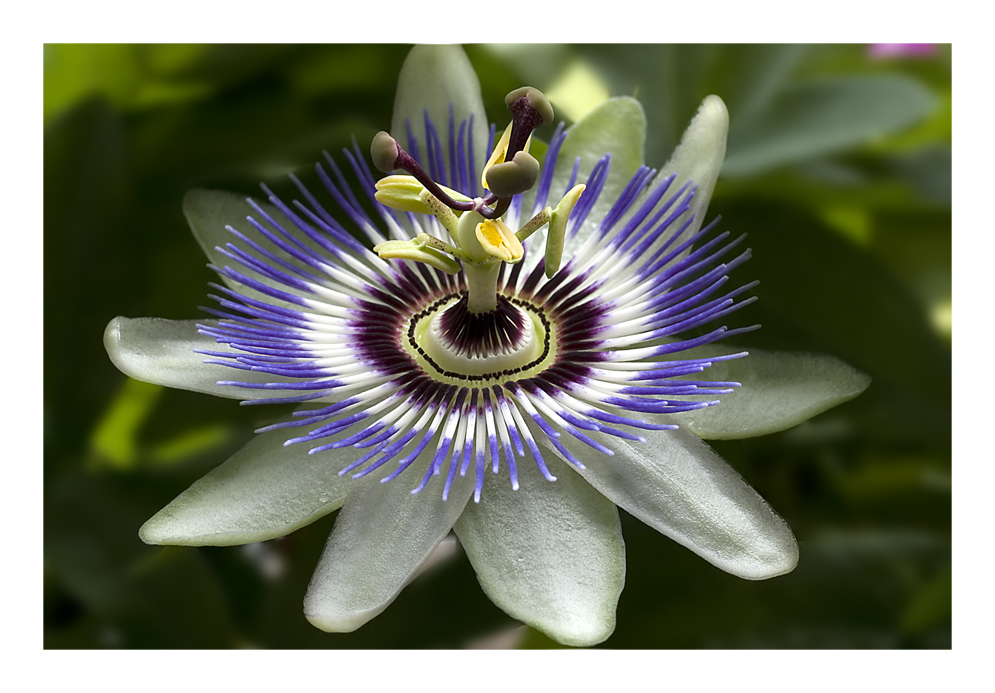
point(387, 161)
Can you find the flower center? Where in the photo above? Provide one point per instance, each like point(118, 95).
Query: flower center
point(482, 238)
point(458, 346)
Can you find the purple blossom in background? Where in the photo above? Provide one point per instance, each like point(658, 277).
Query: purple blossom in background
point(901, 50)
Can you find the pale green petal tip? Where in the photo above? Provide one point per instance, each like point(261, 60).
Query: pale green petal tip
point(162, 530)
point(181, 527)
point(774, 553)
point(432, 78)
point(764, 548)
point(159, 351)
point(333, 618)
point(112, 341)
point(340, 623)
point(168, 528)
point(381, 539)
point(587, 634)
point(140, 348)
point(702, 149)
point(699, 156)
point(553, 557)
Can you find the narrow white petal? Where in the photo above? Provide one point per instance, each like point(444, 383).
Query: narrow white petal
point(381, 538)
point(699, 158)
point(160, 351)
point(550, 554)
point(679, 486)
point(265, 490)
point(779, 390)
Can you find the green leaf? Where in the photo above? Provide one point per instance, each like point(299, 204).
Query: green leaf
point(931, 605)
point(92, 553)
point(817, 283)
point(749, 76)
point(114, 438)
point(820, 117)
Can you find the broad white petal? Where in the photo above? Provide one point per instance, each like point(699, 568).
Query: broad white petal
point(208, 212)
point(679, 486)
point(432, 78)
point(265, 490)
point(550, 554)
point(161, 351)
point(381, 538)
point(616, 127)
point(780, 389)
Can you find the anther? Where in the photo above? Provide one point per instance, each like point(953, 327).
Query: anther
point(388, 155)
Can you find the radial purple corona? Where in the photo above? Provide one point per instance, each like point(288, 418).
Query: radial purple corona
point(390, 357)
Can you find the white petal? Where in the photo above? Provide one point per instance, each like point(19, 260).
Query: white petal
point(381, 538)
point(160, 351)
point(431, 78)
point(208, 212)
point(698, 158)
point(679, 486)
point(700, 154)
point(265, 490)
point(550, 554)
point(616, 127)
point(779, 390)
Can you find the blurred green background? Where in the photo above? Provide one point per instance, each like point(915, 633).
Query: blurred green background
point(838, 168)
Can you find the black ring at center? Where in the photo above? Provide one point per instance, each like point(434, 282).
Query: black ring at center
point(484, 376)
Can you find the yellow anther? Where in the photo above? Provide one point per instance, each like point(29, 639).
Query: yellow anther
point(497, 156)
point(499, 153)
point(498, 240)
point(404, 193)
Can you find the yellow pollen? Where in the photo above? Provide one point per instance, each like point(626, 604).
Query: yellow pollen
point(497, 240)
point(499, 154)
